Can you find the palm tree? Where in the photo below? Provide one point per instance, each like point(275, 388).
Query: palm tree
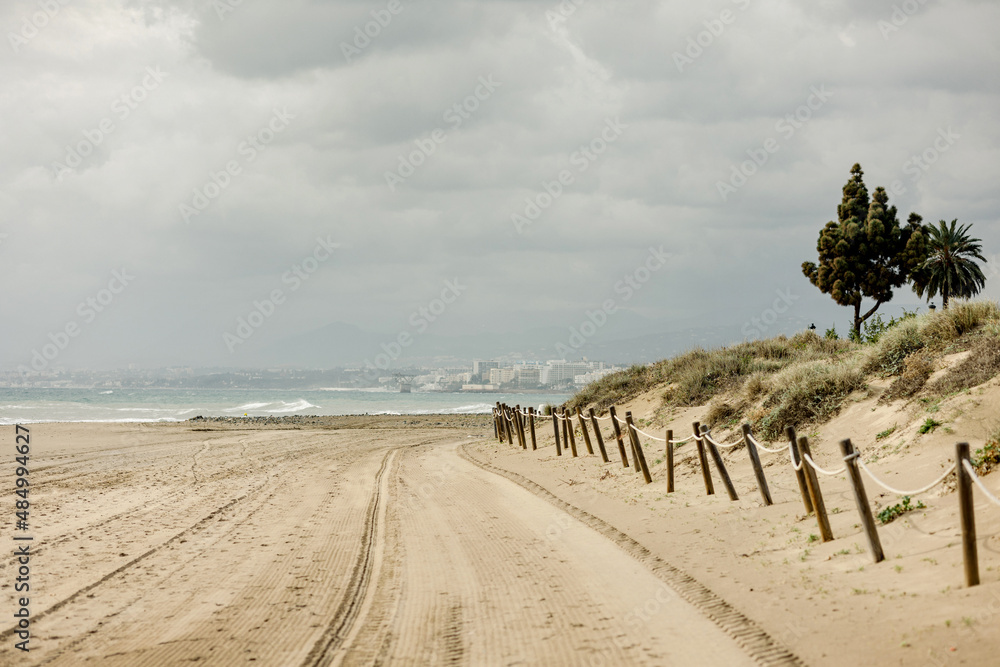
point(950, 268)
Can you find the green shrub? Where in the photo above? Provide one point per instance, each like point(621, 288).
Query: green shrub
point(929, 425)
point(806, 393)
point(890, 514)
point(888, 356)
point(987, 458)
point(970, 315)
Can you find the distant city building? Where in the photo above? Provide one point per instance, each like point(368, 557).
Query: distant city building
point(593, 376)
point(558, 372)
point(481, 369)
point(529, 376)
point(501, 375)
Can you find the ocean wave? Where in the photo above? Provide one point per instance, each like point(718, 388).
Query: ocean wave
point(298, 405)
point(109, 391)
point(367, 390)
point(475, 408)
point(4, 421)
point(248, 406)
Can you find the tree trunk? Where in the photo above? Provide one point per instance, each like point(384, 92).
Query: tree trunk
point(857, 321)
point(944, 297)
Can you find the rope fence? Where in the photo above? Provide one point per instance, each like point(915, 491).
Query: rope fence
point(513, 422)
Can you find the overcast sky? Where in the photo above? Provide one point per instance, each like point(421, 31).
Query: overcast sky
point(338, 125)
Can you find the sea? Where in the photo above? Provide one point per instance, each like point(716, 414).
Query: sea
point(35, 405)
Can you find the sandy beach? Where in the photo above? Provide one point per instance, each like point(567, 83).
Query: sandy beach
point(421, 540)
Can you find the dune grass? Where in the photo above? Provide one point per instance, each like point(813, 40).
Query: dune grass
point(805, 379)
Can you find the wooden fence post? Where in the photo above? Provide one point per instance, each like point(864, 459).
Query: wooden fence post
point(531, 423)
point(618, 435)
point(800, 474)
point(640, 456)
point(967, 516)
point(633, 441)
point(555, 429)
point(583, 427)
point(499, 415)
point(562, 425)
point(669, 454)
point(812, 481)
point(597, 434)
point(519, 426)
point(496, 427)
point(568, 425)
point(509, 424)
point(861, 499)
point(705, 474)
point(719, 464)
point(757, 469)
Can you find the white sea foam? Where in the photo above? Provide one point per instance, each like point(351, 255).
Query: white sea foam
point(248, 406)
point(298, 405)
point(4, 421)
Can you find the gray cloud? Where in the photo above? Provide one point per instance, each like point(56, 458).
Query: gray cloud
point(323, 174)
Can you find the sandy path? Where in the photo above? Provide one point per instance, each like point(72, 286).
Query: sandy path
point(169, 546)
point(485, 573)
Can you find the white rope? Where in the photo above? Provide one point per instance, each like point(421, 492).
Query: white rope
point(885, 486)
point(602, 418)
point(651, 437)
point(768, 449)
point(831, 473)
point(681, 442)
point(979, 482)
point(719, 444)
point(791, 459)
point(621, 421)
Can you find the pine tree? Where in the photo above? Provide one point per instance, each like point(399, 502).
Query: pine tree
point(865, 253)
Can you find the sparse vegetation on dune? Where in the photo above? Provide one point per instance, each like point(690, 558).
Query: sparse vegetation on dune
point(805, 379)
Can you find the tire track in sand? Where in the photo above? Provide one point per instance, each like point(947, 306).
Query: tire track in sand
point(344, 626)
point(760, 646)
